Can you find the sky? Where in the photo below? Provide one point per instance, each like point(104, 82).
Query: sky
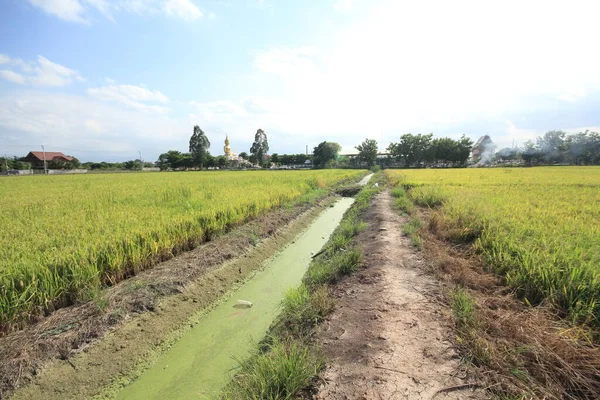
point(113, 79)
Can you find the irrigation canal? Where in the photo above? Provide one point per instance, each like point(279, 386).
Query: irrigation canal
point(202, 362)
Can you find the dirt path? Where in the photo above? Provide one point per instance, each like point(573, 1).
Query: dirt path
point(387, 338)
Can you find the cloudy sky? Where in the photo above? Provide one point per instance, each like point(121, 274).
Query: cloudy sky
point(106, 79)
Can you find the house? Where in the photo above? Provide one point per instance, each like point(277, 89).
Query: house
point(483, 149)
point(36, 158)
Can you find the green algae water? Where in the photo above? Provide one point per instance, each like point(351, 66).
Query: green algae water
point(201, 363)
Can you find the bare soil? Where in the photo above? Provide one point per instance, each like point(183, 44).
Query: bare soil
point(104, 343)
point(390, 335)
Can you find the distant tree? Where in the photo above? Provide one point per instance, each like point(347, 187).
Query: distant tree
point(507, 154)
point(553, 146)
point(441, 150)
point(244, 155)
point(260, 147)
point(133, 165)
point(199, 145)
point(170, 160)
point(275, 158)
point(412, 149)
point(325, 153)
point(221, 161)
point(367, 152)
point(463, 150)
point(530, 153)
point(211, 161)
point(58, 163)
point(583, 148)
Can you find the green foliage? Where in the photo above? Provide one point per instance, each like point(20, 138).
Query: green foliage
point(199, 145)
point(13, 163)
point(325, 154)
point(422, 150)
point(278, 373)
point(260, 147)
point(463, 308)
point(367, 152)
point(303, 309)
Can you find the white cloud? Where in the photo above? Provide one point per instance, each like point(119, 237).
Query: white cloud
point(95, 130)
point(133, 96)
point(12, 77)
point(4, 59)
point(387, 74)
point(44, 73)
point(183, 9)
point(83, 11)
point(68, 10)
point(104, 7)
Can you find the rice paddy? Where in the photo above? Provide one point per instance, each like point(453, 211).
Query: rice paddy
point(65, 237)
point(537, 227)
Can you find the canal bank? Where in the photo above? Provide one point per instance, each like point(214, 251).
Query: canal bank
point(201, 362)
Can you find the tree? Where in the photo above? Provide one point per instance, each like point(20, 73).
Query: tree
point(367, 152)
point(583, 148)
point(221, 161)
point(508, 154)
point(412, 149)
point(260, 147)
point(275, 158)
point(553, 146)
point(199, 145)
point(463, 150)
point(325, 153)
point(210, 161)
point(530, 153)
point(244, 155)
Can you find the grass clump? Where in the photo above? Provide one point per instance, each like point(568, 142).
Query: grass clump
point(463, 308)
point(428, 196)
point(279, 373)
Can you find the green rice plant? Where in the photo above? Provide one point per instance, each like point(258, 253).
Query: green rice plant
point(428, 196)
point(66, 236)
point(538, 227)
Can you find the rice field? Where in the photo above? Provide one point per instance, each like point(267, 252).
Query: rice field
point(65, 237)
point(538, 227)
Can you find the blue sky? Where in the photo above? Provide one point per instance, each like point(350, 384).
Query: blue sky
point(106, 79)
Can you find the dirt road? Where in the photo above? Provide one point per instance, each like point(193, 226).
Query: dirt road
point(387, 338)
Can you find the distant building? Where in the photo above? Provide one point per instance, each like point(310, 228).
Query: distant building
point(484, 148)
point(36, 158)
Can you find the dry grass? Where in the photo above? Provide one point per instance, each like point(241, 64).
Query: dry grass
point(522, 352)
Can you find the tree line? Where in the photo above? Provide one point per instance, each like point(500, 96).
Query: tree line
point(557, 147)
point(412, 150)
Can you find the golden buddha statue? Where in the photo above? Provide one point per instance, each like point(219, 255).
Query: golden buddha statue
point(226, 148)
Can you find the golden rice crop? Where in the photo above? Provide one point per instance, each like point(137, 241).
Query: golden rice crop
point(538, 227)
point(63, 237)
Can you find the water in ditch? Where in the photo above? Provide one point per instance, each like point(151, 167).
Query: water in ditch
point(201, 363)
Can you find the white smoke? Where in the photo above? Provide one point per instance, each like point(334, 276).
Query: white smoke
point(487, 155)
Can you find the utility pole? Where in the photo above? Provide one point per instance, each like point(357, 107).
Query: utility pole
point(141, 162)
point(6, 163)
point(45, 167)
